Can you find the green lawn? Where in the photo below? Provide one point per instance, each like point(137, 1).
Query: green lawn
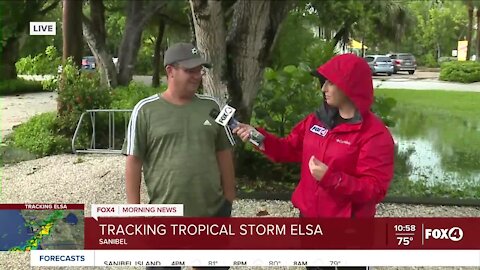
point(460, 104)
point(19, 86)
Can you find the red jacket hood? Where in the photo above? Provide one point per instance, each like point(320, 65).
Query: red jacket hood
point(353, 76)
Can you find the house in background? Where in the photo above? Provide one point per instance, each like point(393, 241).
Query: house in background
point(354, 46)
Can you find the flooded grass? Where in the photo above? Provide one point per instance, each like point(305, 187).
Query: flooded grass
point(438, 143)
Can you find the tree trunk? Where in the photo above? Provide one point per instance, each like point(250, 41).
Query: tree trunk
point(439, 51)
point(138, 14)
point(9, 57)
point(477, 54)
point(95, 35)
point(211, 37)
point(252, 33)
point(72, 31)
point(105, 65)
point(158, 55)
point(30, 11)
point(363, 46)
point(469, 29)
point(193, 38)
point(72, 39)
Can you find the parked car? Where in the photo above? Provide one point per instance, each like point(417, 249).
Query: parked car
point(88, 62)
point(380, 64)
point(403, 62)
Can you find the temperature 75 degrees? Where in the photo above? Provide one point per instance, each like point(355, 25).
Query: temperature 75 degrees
point(404, 240)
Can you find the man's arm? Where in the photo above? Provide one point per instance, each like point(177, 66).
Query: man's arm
point(134, 148)
point(227, 173)
point(133, 177)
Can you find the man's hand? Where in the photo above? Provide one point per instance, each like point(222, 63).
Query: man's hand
point(317, 168)
point(227, 173)
point(243, 131)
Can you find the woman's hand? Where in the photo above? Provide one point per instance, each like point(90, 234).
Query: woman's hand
point(317, 168)
point(243, 131)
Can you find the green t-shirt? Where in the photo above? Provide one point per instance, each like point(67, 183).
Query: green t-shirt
point(178, 146)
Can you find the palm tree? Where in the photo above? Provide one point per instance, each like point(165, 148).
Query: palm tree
point(390, 19)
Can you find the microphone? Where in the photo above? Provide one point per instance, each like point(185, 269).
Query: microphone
point(225, 117)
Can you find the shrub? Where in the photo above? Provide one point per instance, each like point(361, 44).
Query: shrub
point(81, 91)
point(125, 97)
point(49, 134)
point(39, 136)
point(19, 86)
point(465, 72)
point(383, 107)
point(286, 97)
point(42, 64)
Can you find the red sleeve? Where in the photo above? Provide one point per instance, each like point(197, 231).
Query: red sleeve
point(288, 149)
point(375, 168)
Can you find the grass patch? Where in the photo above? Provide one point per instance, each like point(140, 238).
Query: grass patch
point(10, 154)
point(418, 189)
point(459, 104)
point(19, 86)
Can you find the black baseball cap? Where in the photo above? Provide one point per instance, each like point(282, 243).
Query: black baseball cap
point(184, 54)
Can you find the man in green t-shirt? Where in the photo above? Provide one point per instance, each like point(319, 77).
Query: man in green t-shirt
point(185, 155)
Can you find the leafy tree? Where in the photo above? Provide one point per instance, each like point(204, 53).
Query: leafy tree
point(95, 34)
point(295, 36)
point(237, 39)
point(15, 18)
point(139, 12)
point(439, 26)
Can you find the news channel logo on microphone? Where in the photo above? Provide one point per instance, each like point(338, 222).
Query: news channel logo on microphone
point(225, 117)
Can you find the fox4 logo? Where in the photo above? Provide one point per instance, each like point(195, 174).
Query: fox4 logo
point(454, 234)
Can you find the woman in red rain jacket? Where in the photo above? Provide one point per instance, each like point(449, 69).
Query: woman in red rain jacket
point(346, 152)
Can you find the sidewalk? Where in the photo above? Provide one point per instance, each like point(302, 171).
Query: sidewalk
point(18, 109)
point(427, 84)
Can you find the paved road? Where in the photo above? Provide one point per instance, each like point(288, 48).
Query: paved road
point(418, 75)
point(17, 109)
point(421, 80)
point(425, 85)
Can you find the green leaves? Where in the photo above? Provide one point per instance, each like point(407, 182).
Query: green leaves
point(286, 96)
point(42, 64)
